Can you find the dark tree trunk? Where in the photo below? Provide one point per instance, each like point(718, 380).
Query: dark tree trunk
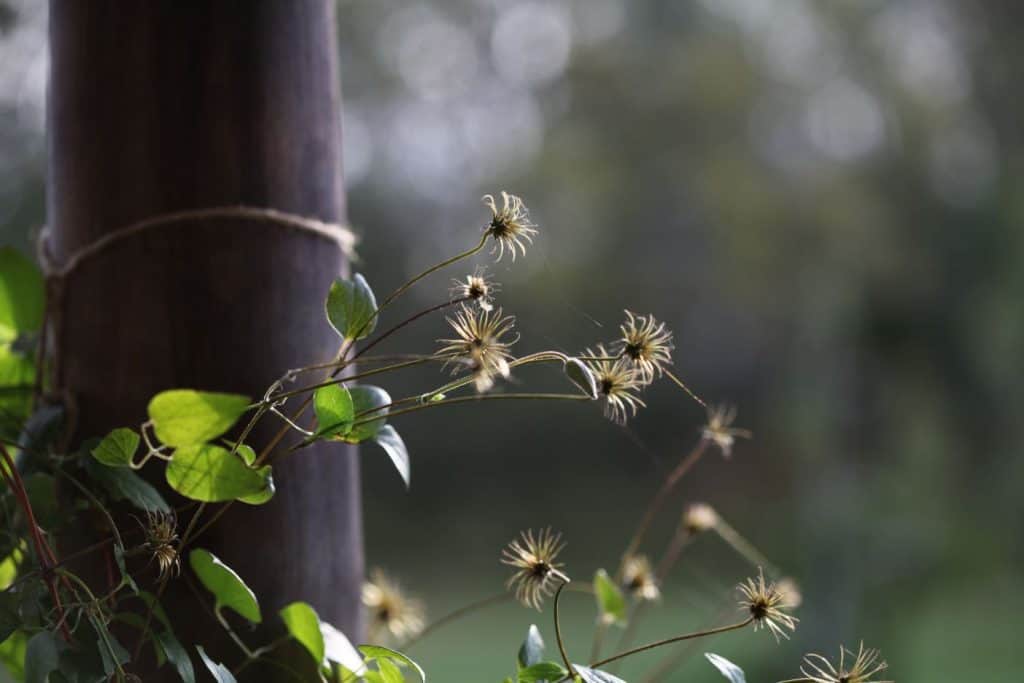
point(163, 106)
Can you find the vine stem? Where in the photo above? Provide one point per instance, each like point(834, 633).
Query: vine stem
point(743, 547)
point(679, 541)
point(259, 652)
point(162, 587)
point(659, 500)
point(558, 625)
point(457, 614)
point(433, 309)
point(377, 415)
point(645, 522)
point(668, 641)
point(93, 600)
point(433, 269)
point(682, 385)
point(470, 399)
point(351, 378)
point(44, 554)
point(672, 660)
point(539, 357)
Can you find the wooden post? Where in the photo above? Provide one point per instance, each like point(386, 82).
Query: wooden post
point(163, 106)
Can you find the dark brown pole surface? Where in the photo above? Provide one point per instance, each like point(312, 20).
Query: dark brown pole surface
point(163, 106)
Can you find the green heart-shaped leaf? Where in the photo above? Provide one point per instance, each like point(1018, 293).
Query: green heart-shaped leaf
point(304, 625)
point(117, 448)
point(370, 412)
point(334, 409)
point(213, 474)
point(183, 417)
point(352, 308)
point(227, 587)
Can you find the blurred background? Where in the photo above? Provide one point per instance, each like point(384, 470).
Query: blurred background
point(822, 201)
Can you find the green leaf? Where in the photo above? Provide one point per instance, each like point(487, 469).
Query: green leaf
point(227, 587)
point(42, 495)
point(249, 457)
point(368, 402)
point(351, 308)
point(532, 650)
point(389, 673)
point(9, 565)
point(610, 603)
point(10, 619)
point(388, 439)
point(338, 648)
point(212, 474)
point(247, 452)
point(17, 374)
point(185, 417)
point(12, 655)
point(124, 484)
point(580, 375)
point(542, 671)
point(263, 496)
point(112, 653)
point(304, 625)
point(732, 672)
point(334, 410)
point(117, 448)
point(377, 652)
point(22, 295)
point(42, 657)
point(219, 671)
point(588, 675)
point(176, 654)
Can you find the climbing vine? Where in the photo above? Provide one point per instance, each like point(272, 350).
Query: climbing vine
point(58, 626)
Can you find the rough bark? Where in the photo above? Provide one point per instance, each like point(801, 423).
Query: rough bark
point(163, 106)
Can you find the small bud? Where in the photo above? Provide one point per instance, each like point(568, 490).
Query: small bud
point(700, 517)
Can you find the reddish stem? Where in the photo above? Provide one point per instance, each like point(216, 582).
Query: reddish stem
point(45, 555)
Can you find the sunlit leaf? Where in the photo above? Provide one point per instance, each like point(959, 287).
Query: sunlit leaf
point(532, 650)
point(17, 374)
point(12, 655)
point(221, 674)
point(117, 448)
point(727, 668)
point(10, 564)
point(368, 402)
point(372, 652)
point(213, 474)
point(334, 410)
point(227, 587)
point(304, 625)
point(184, 417)
point(21, 295)
point(351, 308)
point(610, 603)
point(388, 439)
point(389, 672)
